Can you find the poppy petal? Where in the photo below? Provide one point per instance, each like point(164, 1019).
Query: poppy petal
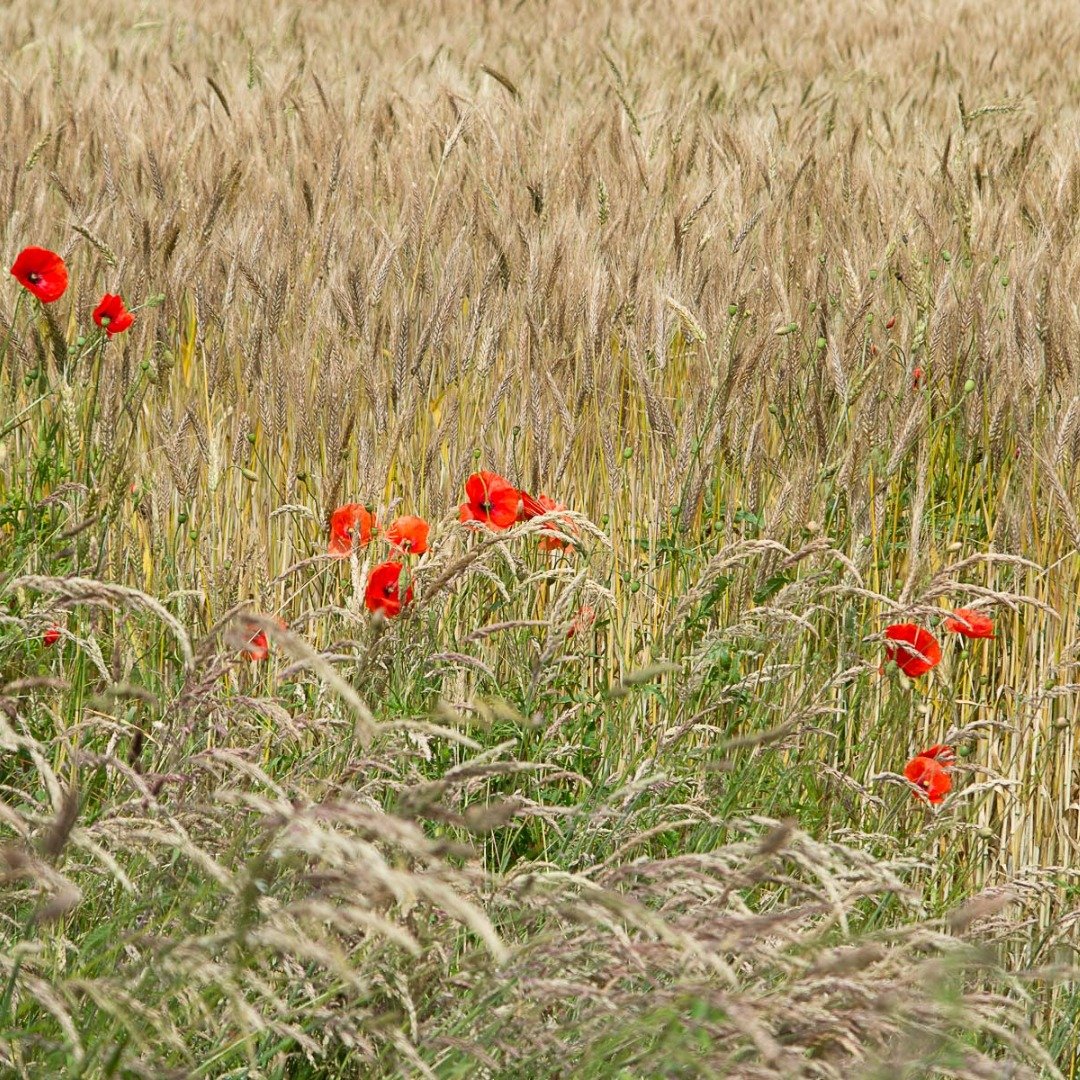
point(409, 533)
point(112, 316)
point(531, 507)
point(41, 272)
point(912, 648)
point(383, 590)
point(349, 523)
point(492, 500)
point(930, 774)
point(969, 623)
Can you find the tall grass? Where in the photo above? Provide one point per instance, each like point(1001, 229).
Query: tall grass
point(675, 267)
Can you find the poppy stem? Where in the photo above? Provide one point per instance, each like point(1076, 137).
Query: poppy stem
point(88, 448)
point(280, 491)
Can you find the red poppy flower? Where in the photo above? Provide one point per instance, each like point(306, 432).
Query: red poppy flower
point(408, 533)
point(970, 623)
point(916, 650)
point(256, 646)
point(42, 272)
point(549, 540)
point(51, 636)
point(583, 620)
point(917, 378)
point(382, 590)
point(929, 772)
point(492, 501)
point(946, 755)
point(112, 316)
point(530, 507)
point(349, 522)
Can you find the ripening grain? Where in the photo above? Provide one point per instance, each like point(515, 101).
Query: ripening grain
point(324, 754)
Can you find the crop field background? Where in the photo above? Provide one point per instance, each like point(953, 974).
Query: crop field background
point(779, 300)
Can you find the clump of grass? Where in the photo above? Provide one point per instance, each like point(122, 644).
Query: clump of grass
point(281, 898)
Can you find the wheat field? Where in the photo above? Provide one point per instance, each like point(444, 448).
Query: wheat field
point(778, 301)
